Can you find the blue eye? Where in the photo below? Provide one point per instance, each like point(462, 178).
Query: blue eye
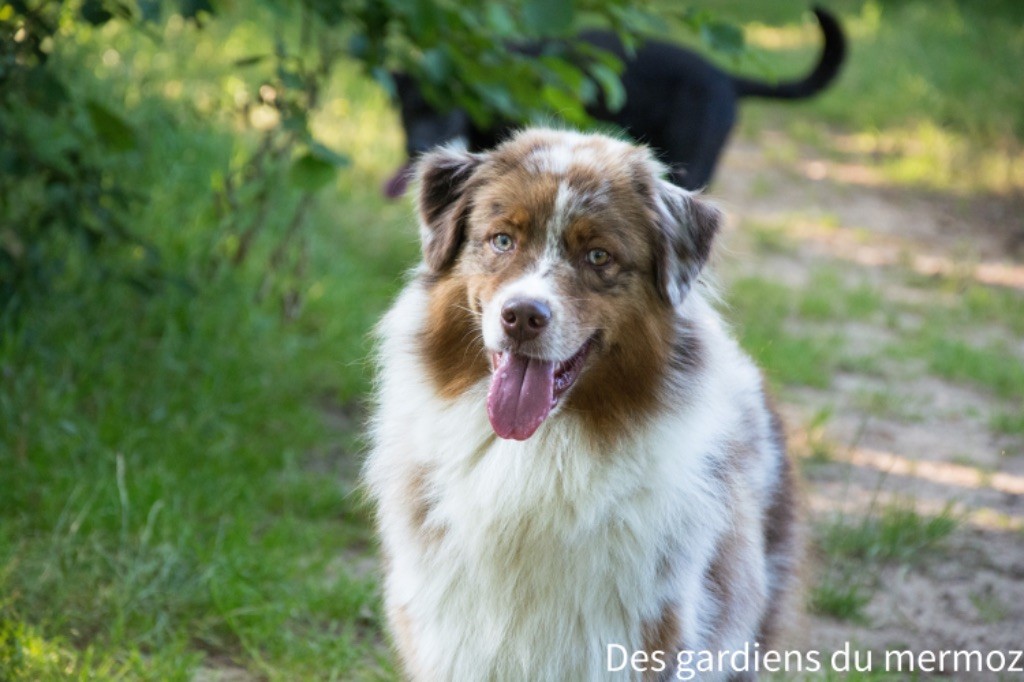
point(502, 243)
point(598, 257)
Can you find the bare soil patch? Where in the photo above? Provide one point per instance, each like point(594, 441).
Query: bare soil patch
point(933, 445)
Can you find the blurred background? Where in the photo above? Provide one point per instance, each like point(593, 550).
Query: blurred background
point(194, 247)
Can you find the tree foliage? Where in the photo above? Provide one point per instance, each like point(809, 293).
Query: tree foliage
point(53, 178)
point(63, 194)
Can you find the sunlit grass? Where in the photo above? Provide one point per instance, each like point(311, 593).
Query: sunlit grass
point(919, 100)
point(172, 510)
point(797, 332)
point(761, 309)
point(840, 597)
point(925, 154)
point(29, 655)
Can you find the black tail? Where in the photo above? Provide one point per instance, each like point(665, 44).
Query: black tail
point(832, 54)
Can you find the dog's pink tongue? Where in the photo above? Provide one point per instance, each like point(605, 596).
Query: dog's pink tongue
point(520, 398)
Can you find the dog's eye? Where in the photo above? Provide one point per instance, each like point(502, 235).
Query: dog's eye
point(502, 242)
point(598, 257)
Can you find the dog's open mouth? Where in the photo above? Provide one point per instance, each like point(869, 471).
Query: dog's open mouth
point(524, 390)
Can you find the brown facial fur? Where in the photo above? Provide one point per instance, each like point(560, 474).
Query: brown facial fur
point(614, 206)
point(451, 344)
point(420, 503)
point(623, 384)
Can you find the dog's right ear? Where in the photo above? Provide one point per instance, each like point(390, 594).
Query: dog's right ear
point(688, 225)
point(444, 199)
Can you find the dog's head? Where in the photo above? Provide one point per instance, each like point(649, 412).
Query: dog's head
point(555, 264)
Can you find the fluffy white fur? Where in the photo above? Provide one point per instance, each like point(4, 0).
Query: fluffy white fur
point(538, 529)
point(545, 552)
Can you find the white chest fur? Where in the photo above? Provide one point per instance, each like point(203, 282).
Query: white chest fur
point(523, 560)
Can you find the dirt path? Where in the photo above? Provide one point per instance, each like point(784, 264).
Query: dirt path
point(931, 443)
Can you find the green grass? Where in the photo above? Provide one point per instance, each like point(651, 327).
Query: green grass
point(769, 237)
point(820, 448)
point(992, 305)
point(177, 498)
point(991, 367)
point(888, 403)
point(852, 552)
point(914, 107)
point(828, 297)
point(1010, 423)
point(793, 333)
point(964, 302)
point(991, 607)
point(169, 493)
point(761, 310)
point(937, 335)
point(167, 499)
point(894, 533)
point(840, 597)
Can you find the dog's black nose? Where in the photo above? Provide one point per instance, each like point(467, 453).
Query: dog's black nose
point(525, 319)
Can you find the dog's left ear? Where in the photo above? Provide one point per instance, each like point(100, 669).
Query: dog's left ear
point(688, 225)
point(444, 199)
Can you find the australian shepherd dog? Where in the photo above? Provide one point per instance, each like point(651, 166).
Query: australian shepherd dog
point(571, 457)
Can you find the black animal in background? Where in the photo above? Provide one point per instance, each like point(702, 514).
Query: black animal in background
point(677, 102)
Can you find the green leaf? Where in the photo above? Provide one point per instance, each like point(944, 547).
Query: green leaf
point(250, 61)
point(47, 92)
point(329, 155)
point(588, 92)
point(10, 243)
point(310, 173)
point(330, 11)
point(565, 105)
point(95, 12)
point(598, 55)
point(114, 132)
point(122, 10)
point(611, 85)
point(436, 64)
point(149, 10)
point(290, 79)
point(481, 115)
point(569, 75)
point(548, 17)
point(295, 120)
point(500, 21)
point(426, 20)
point(722, 36)
point(385, 80)
point(497, 97)
point(634, 20)
point(359, 46)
